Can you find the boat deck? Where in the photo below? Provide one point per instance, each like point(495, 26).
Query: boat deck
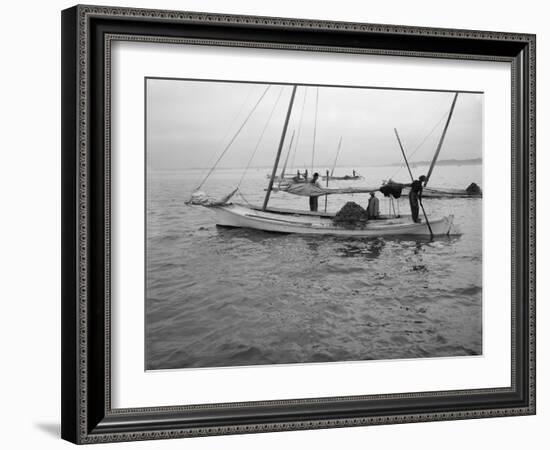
point(328, 215)
point(301, 212)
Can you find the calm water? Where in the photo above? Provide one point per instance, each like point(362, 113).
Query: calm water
point(228, 297)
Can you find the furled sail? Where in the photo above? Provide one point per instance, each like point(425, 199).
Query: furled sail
point(313, 190)
point(388, 189)
point(393, 189)
point(201, 198)
point(396, 190)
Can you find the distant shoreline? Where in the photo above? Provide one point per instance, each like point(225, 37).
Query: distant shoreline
point(443, 162)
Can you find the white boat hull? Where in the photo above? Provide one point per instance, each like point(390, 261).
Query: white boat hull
point(240, 216)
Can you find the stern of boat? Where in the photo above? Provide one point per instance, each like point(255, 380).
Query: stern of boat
point(453, 229)
point(444, 226)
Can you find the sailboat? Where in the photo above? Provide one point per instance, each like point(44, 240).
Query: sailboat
point(330, 176)
point(290, 221)
point(343, 177)
point(306, 222)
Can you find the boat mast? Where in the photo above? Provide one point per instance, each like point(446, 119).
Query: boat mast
point(441, 140)
point(299, 130)
point(336, 158)
point(314, 130)
point(326, 195)
point(274, 171)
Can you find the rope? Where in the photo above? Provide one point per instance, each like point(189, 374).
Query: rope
point(423, 141)
point(243, 197)
point(336, 157)
point(233, 138)
point(261, 136)
point(228, 129)
point(299, 129)
point(282, 176)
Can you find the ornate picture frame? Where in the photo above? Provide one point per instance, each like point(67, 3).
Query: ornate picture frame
point(88, 33)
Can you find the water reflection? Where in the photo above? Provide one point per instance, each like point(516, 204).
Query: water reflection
point(256, 236)
point(314, 246)
point(368, 249)
point(418, 259)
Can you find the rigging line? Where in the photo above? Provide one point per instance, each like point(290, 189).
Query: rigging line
point(282, 176)
point(292, 166)
point(243, 197)
point(314, 129)
point(430, 133)
point(261, 136)
point(423, 141)
point(228, 129)
point(327, 162)
point(233, 138)
point(336, 157)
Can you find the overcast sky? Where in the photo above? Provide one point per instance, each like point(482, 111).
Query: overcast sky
point(189, 123)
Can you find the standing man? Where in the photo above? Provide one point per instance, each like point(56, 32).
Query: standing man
point(373, 208)
point(314, 200)
point(415, 196)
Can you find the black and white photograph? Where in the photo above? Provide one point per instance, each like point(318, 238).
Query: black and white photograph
point(282, 219)
point(293, 223)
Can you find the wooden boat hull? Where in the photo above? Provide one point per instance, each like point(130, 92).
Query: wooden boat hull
point(240, 216)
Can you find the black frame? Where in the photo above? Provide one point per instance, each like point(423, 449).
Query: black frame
point(87, 32)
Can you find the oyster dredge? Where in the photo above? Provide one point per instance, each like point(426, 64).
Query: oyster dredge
point(280, 220)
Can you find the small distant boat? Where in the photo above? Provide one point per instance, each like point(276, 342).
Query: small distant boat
point(302, 179)
point(330, 175)
point(345, 177)
point(278, 177)
point(288, 178)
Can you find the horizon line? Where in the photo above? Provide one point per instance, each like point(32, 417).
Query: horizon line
point(424, 162)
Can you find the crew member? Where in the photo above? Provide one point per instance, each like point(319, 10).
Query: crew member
point(314, 200)
point(415, 196)
point(373, 208)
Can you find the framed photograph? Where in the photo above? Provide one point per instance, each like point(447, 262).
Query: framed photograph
point(267, 222)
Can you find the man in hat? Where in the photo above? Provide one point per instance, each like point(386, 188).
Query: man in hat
point(373, 208)
point(415, 197)
point(313, 199)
